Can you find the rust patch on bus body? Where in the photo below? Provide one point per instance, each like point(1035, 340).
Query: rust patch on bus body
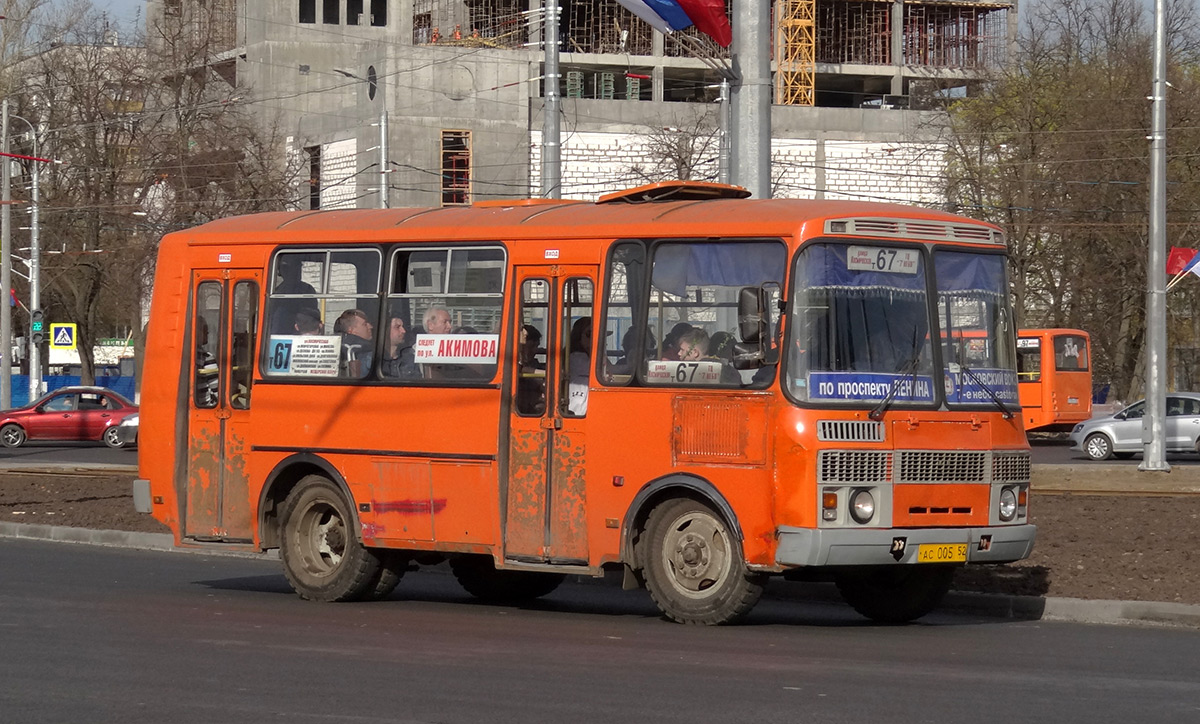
point(204, 481)
point(525, 511)
point(237, 518)
point(568, 521)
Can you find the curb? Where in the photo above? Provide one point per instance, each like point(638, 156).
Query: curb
point(991, 605)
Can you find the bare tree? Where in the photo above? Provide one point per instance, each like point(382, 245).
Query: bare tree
point(685, 151)
point(1055, 151)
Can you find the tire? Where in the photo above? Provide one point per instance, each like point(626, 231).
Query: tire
point(1098, 446)
point(896, 594)
point(12, 435)
point(479, 577)
point(693, 565)
point(392, 566)
point(111, 438)
point(322, 556)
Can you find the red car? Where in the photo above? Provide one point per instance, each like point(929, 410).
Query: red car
point(69, 413)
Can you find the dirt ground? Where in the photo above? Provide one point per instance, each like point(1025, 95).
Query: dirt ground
point(1089, 546)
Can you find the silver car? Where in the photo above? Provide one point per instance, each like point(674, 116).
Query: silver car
point(126, 432)
point(1120, 434)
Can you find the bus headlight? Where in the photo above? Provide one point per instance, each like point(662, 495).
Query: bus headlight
point(1008, 504)
point(862, 505)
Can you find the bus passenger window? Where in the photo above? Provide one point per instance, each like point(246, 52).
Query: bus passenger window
point(626, 341)
point(206, 345)
point(531, 355)
point(577, 360)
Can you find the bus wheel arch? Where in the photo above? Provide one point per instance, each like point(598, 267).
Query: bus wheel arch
point(280, 483)
point(683, 543)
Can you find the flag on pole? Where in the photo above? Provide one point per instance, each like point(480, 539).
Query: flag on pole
point(644, 11)
point(1192, 266)
point(1179, 258)
point(670, 11)
point(710, 19)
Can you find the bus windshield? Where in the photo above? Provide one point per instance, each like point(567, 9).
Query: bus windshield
point(978, 336)
point(860, 326)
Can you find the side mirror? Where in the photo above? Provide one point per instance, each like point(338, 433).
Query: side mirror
point(1121, 415)
point(752, 311)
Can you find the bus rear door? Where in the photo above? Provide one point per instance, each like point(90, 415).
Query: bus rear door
point(545, 510)
point(224, 318)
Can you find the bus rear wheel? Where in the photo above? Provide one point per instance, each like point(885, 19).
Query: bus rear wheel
point(322, 556)
point(392, 566)
point(694, 567)
point(478, 576)
point(896, 594)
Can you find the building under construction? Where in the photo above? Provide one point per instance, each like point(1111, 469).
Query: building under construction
point(463, 79)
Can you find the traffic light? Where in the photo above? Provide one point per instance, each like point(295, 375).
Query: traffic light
point(37, 327)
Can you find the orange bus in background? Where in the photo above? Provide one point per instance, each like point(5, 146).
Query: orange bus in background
point(1055, 378)
point(700, 389)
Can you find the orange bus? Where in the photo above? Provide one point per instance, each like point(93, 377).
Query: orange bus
point(696, 388)
point(1054, 376)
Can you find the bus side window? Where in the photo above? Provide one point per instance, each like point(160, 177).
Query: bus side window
point(206, 345)
point(577, 358)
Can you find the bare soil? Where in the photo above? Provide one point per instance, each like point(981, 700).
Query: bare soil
point(1118, 547)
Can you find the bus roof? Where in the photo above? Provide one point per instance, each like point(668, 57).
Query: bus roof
point(565, 219)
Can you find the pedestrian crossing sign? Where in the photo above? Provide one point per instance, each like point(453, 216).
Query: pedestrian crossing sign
point(63, 336)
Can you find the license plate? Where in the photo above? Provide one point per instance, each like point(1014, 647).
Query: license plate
point(942, 553)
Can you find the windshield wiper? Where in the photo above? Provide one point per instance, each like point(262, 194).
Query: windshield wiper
point(995, 398)
point(908, 370)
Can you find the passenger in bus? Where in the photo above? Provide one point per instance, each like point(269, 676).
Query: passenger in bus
point(670, 349)
point(357, 345)
point(437, 321)
point(720, 349)
point(629, 361)
point(308, 321)
point(288, 281)
point(531, 379)
point(398, 357)
point(207, 378)
point(579, 364)
point(692, 345)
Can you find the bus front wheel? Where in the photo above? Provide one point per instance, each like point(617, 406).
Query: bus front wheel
point(322, 556)
point(694, 567)
point(896, 594)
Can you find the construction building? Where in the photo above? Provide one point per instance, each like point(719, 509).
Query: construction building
point(441, 100)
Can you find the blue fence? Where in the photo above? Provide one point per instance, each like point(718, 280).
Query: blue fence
point(20, 386)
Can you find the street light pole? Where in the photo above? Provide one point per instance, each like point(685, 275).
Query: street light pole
point(1154, 422)
point(35, 261)
point(551, 131)
point(5, 268)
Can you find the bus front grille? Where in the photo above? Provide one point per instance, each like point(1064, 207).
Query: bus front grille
point(918, 467)
point(849, 431)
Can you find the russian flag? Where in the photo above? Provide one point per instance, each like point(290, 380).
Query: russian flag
point(667, 15)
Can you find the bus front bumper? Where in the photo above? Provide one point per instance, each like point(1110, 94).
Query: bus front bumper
point(858, 547)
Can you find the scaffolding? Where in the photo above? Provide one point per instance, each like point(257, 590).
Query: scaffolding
point(795, 52)
point(961, 35)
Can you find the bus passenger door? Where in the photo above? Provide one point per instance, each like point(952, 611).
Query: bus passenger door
point(545, 503)
point(224, 321)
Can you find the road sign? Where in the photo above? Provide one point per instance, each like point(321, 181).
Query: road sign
point(63, 336)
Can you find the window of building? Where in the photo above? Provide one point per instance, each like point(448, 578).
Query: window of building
point(314, 176)
point(456, 168)
point(308, 11)
point(422, 28)
point(323, 314)
point(378, 13)
point(332, 12)
point(354, 11)
point(448, 301)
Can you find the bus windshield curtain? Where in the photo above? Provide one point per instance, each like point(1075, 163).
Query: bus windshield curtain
point(679, 266)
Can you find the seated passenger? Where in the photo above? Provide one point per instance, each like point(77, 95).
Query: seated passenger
point(398, 357)
point(357, 345)
point(670, 349)
point(579, 366)
point(692, 345)
point(308, 321)
point(437, 321)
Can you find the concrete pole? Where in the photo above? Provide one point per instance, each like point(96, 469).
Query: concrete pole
point(551, 131)
point(35, 274)
point(6, 268)
point(383, 155)
point(751, 155)
point(1154, 422)
point(724, 172)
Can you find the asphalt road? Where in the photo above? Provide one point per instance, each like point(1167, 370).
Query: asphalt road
point(108, 635)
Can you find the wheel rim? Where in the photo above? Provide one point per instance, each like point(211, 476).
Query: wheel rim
point(1097, 447)
point(321, 539)
point(696, 554)
point(12, 436)
point(110, 436)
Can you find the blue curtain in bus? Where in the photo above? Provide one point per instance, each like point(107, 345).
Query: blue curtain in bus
point(679, 266)
point(824, 265)
point(965, 272)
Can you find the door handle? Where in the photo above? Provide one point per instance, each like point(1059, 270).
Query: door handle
point(551, 423)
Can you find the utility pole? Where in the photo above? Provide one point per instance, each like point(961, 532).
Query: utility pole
point(6, 268)
point(383, 155)
point(1154, 422)
point(724, 172)
point(752, 96)
point(551, 148)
